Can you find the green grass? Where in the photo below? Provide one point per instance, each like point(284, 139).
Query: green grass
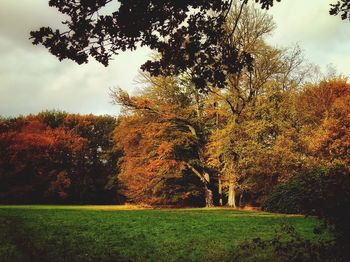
point(110, 233)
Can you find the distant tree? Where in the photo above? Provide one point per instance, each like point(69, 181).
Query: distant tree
point(52, 118)
point(58, 157)
point(36, 162)
point(96, 165)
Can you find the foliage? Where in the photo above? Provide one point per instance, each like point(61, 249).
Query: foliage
point(187, 34)
point(212, 133)
point(102, 233)
point(292, 197)
point(35, 161)
point(153, 151)
point(328, 202)
point(332, 139)
point(161, 136)
point(57, 157)
point(342, 7)
point(320, 192)
point(183, 33)
point(255, 143)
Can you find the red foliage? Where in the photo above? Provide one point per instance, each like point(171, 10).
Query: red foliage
point(35, 152)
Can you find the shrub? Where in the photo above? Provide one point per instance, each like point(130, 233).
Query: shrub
point(320, 192)
point(292, 197)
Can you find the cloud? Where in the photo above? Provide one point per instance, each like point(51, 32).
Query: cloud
point(308, 23)
point(32, 80)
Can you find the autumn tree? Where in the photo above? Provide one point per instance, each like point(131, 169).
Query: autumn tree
point(219, 112)
point(35, 161)
point(321, 185)
point(163, 136)
point(324, 111)
point(274, 70)
point(149, 162)
point(95, 174)
point(58, 157)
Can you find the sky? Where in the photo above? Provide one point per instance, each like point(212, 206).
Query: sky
point(32, 80)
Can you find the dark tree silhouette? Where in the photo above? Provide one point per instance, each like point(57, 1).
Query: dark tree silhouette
point(187, 34)
point(342, 7)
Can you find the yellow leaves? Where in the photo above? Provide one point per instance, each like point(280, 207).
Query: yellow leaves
point(328, 139)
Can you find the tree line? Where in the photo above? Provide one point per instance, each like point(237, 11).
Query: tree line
point(56, 157)
point(176, 146)
point(179, 144)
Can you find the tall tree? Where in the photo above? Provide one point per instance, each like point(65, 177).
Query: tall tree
point(166, 133)
point(273, 70)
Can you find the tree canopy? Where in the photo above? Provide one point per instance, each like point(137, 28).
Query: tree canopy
point(186, 34)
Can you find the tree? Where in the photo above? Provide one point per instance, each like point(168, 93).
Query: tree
point(163, 137)
point(58, 157)
point(218, 117)
point(187, 34)
point(36, 161)
point(274, 71)
point(96, 166)
point(321, 185)
point(149, 161)
point(327, 121)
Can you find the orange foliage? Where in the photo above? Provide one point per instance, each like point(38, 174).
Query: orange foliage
point(149, 155)
point(36, 152)
point(315, 102)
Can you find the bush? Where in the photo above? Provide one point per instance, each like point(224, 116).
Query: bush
point(292, 197)
point(320, 192)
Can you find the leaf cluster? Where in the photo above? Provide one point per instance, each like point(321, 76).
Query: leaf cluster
point(186, 34)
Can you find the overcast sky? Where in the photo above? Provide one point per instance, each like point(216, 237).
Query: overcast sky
point(32, 80)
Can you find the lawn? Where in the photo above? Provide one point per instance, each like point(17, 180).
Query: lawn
point(112, 233)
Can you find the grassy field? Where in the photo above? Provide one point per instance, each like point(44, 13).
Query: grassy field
point(112, 233)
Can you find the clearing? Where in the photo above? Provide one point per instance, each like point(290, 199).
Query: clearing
point(126, 233)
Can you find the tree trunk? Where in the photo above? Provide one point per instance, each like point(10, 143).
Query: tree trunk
point(240, 204)
point(231, 195)
point(220, 192)
point(208, 197)
point(205, 179)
